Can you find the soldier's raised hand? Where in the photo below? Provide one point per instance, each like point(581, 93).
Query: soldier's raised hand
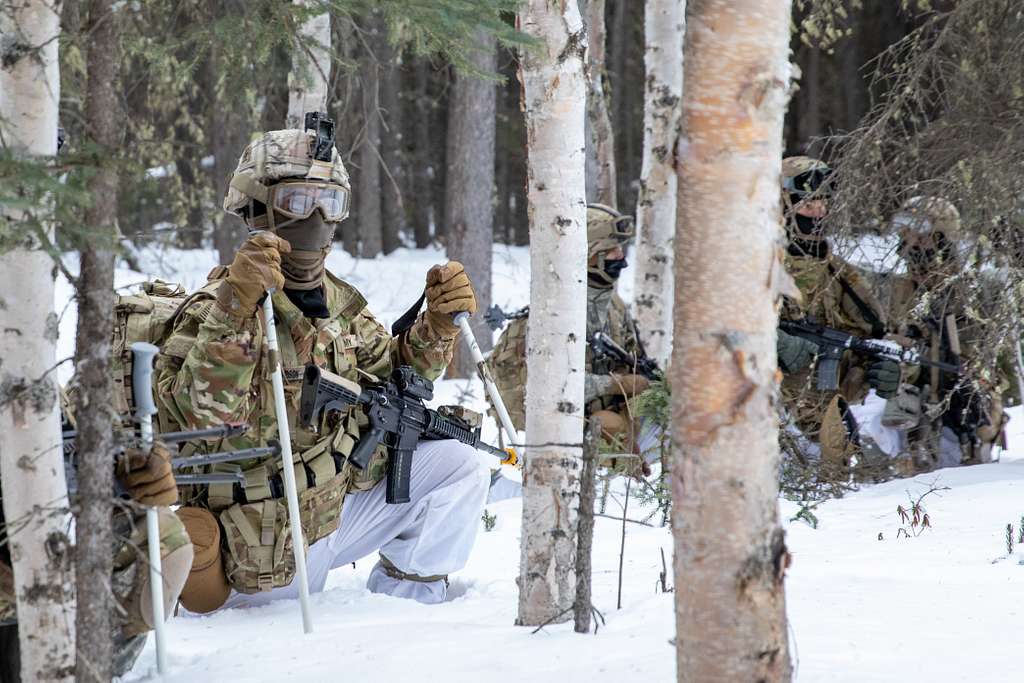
point(256, 268)
point(449, 291)
point(147, 476)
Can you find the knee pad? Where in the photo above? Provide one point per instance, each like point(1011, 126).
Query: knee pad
point(133, 580)
point(207, 586)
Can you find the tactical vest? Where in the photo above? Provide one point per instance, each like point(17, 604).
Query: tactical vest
point(606, 312)
point(257, 539)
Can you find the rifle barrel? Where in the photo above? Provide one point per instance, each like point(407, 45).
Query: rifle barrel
point(226, 456)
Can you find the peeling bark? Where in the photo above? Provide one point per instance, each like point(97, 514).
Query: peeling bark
point(554, 103)
point(311, 67)
point(730, 551)
point(664, 25)
point(35, 501)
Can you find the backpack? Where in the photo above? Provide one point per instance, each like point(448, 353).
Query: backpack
point(147, 316)
point(507, 364)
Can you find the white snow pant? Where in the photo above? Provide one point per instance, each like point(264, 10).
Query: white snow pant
point(432, 534)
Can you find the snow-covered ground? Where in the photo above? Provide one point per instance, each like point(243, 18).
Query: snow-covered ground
point(865, 603)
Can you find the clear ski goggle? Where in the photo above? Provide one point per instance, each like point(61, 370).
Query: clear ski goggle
point(299, 199)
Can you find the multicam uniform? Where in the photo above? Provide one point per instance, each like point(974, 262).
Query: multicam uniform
point(969, 410)
point(214, 369)
point(606, 312)
point(129, 581)
point(832, 293)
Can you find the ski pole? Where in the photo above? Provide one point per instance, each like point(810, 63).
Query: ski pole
point(142, 389)
point(288, 467)
point(462, 320)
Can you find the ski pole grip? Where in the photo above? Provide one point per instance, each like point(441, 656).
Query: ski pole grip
point(142, 378)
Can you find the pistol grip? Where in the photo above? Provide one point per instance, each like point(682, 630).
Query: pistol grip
point(361, 454)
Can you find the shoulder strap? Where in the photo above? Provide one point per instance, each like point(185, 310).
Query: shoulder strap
point(870, 316)
point(409, 317)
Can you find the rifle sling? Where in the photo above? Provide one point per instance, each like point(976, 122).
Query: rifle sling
point(403, 324)
point(877, 326)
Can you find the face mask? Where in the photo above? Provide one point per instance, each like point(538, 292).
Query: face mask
point(310, 238)
point(614, 267)
point(806, 240)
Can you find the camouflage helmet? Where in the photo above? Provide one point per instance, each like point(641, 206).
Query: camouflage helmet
point(802, 176)
point(929, 236)
point(928, 215)
point(606, 229)
point(276, 155)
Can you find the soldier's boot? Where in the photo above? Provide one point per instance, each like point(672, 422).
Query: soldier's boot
point(618, 430)
point(207, 586)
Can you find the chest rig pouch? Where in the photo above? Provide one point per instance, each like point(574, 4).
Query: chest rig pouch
point(257, 533)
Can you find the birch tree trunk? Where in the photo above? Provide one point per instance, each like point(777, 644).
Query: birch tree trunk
point(31, 458)
point(730, 551)
point(600, 137)
point(554, 103)
point(311, 66)
point(469, 191)
point(93, 413)
point(664, 25)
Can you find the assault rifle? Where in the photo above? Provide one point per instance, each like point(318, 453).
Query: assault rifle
point(495, 317)
point(219, 432)
point(398, 419)
point(604, 346)
point(832, 343)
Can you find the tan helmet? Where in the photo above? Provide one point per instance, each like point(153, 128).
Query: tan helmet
point(606, 229)
point(926, 215)
point(277, 155)
point(804, 175)
point(929, 232)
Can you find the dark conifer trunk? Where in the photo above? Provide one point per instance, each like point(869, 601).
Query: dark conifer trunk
point(93, 412)
point(469, 211)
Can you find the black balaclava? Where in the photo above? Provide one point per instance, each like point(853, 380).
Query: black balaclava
point(606, 272)
point(805, 235)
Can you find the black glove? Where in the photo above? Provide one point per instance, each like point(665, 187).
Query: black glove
point(884, 377)
point(795, 353)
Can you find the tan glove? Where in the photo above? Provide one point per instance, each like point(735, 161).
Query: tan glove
point(148, 477)
point(449, 291)
point(630, 385)
point(256, 268)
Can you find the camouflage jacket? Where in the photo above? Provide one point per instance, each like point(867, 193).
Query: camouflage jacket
point(606, 312)
point(213, 370)
point(835, 294)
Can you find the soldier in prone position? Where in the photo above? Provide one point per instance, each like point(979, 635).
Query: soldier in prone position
point(292, 190)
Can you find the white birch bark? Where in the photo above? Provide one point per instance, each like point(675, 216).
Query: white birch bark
point(554, 102)
point(31, 460)
point(311, 67)
point(730, 551)
point(664, 25)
